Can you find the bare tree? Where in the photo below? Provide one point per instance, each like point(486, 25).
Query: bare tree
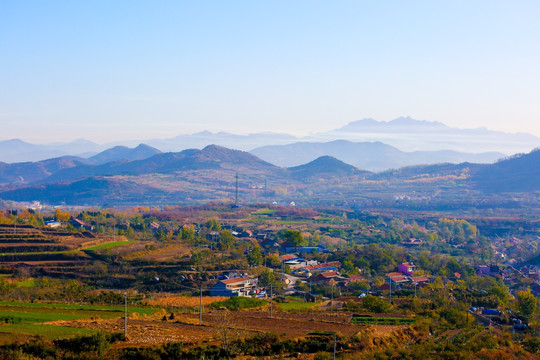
point(228, 331)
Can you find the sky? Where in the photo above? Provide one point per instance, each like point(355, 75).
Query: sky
point(118, 70)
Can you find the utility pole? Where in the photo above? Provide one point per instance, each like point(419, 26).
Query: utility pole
point(271, 296)
point(390, 281)
point(335, 343)
point(200, 307)
point(236, 198)
point(125, 316)
point(332, 299)
point(415, 289)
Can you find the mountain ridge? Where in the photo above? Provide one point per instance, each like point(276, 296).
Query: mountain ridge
point(421, 135)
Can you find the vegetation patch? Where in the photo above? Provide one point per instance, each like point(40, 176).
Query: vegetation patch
point(239, 303)
point(369, 320)
point(110, 245)
point(48, 331)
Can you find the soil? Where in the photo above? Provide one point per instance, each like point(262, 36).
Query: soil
point(185, 327)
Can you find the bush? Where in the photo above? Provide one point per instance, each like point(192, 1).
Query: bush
point(239, 302)
point(323, 356)
point(532, 345)
point(376, 304)
point(97, 343)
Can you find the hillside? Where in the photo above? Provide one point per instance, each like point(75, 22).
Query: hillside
point(90, 191)
point(373, 156)
point(324, 166)
point(30, 172)
point(520, 173)
point(200, 176)
point(211, 157)
point(141, 152)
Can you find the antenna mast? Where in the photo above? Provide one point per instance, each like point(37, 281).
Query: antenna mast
point(236, 199)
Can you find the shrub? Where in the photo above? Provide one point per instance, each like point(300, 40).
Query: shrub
point(239, 302)
point(376, 304)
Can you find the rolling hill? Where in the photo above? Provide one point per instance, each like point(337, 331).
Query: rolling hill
point(373, 156)
point(198, 176)
point(141, 152)
point(324, 166)
point(519, 173)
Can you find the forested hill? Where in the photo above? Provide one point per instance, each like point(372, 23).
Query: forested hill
point(520, 173)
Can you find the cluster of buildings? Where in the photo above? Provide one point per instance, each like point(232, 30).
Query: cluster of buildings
point(404, 277)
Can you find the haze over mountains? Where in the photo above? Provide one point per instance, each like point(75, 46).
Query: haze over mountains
point(405, 134)
point(193, 176)
point(373, 156)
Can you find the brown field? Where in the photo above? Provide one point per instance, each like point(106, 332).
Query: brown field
point(184, 301)
point(160, 252)
point(186, 328)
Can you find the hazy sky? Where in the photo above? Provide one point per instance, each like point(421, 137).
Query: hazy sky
point(112, 70)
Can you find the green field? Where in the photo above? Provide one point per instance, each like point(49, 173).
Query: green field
point(26, 283)
point(110, 245)
point(369, 320)
point(20, 318)
point(296, 305)
point(78, 307)
point(12, 332)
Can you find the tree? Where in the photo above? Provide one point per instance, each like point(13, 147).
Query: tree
point(61, 215)
point(526, 303)
point(254, 257)
point(292, 236)
point(226, 240)
point(273, 261)
point(213, 225)
point(188, 233)
point(267, 278)
point(375, 304)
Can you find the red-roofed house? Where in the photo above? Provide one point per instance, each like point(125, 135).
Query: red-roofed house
point(356, 278)
point(326, 277)
point(407, 268)
point(419, 279)
point(240, 286)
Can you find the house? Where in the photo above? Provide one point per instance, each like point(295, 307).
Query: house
point(488, 270)
point(52, 224)
point(326, 278)
point(289, 257)
point(246, 234)
point(299, 264)
point(78, 224)
point(290, 248)
point(270, 244)
point(407, 268)
point(213, 236)
point(399, 279)
point(240, 286)
point(154, 226)
point(356, 278)
point(412, 242)
point(329, 266)
point(419, 279)
point(260, 237)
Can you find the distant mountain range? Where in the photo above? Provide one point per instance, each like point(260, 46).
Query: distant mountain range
point(373, 156)
point(405, 134)
point(408, 134)
point(208, 174)
point(142, 151)
point(31, 172)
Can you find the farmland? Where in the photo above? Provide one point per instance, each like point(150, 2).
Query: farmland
point(71, 283)
point(31, 319)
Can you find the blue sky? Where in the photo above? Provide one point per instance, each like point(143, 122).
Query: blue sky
point(113, 70)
